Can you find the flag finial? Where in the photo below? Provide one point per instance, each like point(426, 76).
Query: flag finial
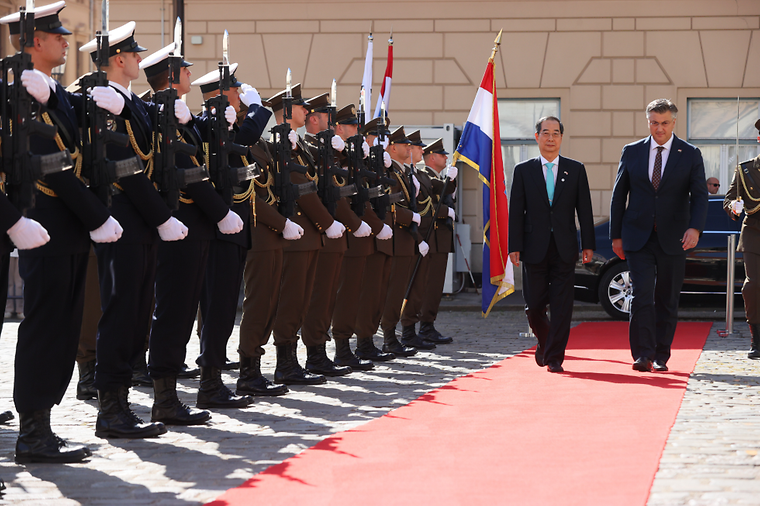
point(390, 40)
point(496, 44)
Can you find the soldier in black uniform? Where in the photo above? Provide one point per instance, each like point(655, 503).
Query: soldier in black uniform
point(182, 264)
point(224, 270)
point(72, 215)
point(127, 268)
point(744, 196)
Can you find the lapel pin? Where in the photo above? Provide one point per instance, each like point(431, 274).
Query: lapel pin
point(679, 150)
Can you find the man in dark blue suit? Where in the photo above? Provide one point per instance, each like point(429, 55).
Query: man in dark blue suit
point(663, 180)
point(547, 192)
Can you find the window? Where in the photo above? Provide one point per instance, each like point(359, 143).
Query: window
point(517, 124)
point(712, 127)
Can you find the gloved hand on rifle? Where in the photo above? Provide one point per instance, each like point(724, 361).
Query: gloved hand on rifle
point(249, 95)
point(337, 143)
point(387, 160)
point(172, 230)
point(424, 248)
point(292, 231)
point(28, 234)
point(110, 231)
point(335, 231)
point(386, 233)
point(364, 230)
point(36, 84)
point(182, 112)
point(293, 138)
point(365, 148)
point(450, 171)
point(452, 214)
point(108, 98)
point(416, 218)
point(416, 185)
point(230, 224)
point(230, 115)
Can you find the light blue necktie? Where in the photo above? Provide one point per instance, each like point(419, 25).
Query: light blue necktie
point(550, 181)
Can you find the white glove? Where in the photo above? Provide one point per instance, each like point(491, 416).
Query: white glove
point(387, 160)
point(230, 224)
point(110, 231)
point(172, 230)
point(416, 218)
point(28, 234)
point(108, 98)
point(452, 214)
point(36, 84)
point(293, 138)
point(182, 112)
point(386, 233)
point(424, 248)
point(249, 95)
point(230, 115)
point(737, 206)
point(451, 172)
point(364, 230)
point(337, 143)
point(385, 143)
point(292, 231)
point(335, 231)
point(416, 185)
point(365, 148)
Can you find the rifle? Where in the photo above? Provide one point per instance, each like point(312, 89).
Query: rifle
point(285, 190)
point(19, 112)
point(220, 138)
point(328, 192)
point(168, 177)
point(96, 134)
point(377, 164)
point(358, 171)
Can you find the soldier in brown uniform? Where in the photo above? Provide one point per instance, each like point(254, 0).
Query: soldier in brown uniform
point(427, 287)
point(299, 262)
point(405, 240)
point(744, 188)
point(316, 324)
point(262, 275)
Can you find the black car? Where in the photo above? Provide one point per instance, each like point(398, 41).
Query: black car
point(606, 279)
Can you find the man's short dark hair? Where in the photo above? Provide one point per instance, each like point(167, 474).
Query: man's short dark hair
point(549, 118)
point(159, 81)
point(661, 106)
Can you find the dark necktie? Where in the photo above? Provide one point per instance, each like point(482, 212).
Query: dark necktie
point(657, 172)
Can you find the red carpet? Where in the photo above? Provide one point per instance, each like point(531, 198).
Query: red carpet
point(510, 434)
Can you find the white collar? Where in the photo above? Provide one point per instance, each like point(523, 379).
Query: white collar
point(544, 161)
point(653, 144)
point(121, 88)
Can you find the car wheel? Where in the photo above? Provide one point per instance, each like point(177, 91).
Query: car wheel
point(616, 291)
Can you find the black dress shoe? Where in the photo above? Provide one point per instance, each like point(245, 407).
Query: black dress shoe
point(230, 366)
point(539, 355)
point(187, 373)
point(6, 416)
point(659, 366)
point(642, 364)
point(554, 367)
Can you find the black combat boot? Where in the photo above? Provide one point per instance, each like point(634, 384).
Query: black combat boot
point(366, 349)
point(86, 390)
point(6, 416)
point(252, 382)
point(754, 352)
point(116, 419)
point(318, 362)
point(344, 356)
point(391, 345)
point(140, 376)
point(410, 338)
point(429, 333)
point(167, 407)
point(38, 443)
point(290, 372)
point(213, 393)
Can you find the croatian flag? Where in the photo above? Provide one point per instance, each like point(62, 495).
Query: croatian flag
point(480, 148)
point(385, 91)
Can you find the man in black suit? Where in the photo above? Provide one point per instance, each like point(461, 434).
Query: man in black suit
point(547, 192)
point(663, 179)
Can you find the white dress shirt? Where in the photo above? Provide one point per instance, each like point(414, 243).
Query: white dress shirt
point(555, 168)
point(653, 154)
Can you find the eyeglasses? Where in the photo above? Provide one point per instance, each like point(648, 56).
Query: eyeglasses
point(715, 184)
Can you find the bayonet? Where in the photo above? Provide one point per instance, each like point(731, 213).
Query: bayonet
point(333, 94)
point(226, 49)
point(105, 17)
point(288, 79)
point(178, 38)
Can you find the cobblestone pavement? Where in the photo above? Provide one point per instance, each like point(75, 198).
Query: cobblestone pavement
point(711, 457)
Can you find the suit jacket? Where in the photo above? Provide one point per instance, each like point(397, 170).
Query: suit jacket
point(532, 220)
point(679, 203)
